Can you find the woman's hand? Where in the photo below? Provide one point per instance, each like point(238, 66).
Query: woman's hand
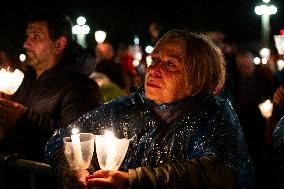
point(108, 179)
point(75, 179)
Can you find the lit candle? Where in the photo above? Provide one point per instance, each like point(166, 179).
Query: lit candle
point(266, 108)
point(111, 151)
point(75, 138)
point(10, 81)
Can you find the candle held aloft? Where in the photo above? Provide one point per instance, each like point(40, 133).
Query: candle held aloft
point(75, 138)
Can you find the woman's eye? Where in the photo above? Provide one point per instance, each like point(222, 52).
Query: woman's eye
point(170, 64)
point(154, 59)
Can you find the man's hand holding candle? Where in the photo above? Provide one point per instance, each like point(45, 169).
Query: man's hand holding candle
point(10, 112)
point(4, 95)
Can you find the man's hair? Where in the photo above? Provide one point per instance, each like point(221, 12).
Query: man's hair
point(205, 64)
point(58, 23)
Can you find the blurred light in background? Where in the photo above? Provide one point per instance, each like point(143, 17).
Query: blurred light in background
point(81, 30)
point(136, 40)
point(280, 64)
point(148, 60)
point(265, 10)
point(148, 49)
point(100, 36)
point(264, 60)
point(22, 57)
point(256, 61)
point(264, 53)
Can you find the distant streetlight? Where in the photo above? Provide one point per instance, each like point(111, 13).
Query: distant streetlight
point(81, 30)
point(265, 10)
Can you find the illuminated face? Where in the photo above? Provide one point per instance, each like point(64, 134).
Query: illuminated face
point(166, 79)
point(40, 49)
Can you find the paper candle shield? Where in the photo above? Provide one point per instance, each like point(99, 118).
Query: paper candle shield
point(111, 151)
point(87, 149)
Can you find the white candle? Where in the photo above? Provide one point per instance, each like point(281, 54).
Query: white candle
point(75, 138)
point(111, 151)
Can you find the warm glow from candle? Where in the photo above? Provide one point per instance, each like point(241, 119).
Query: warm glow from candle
point(109, 134)
point(266, 108)
point(10, 81)
point(75, 131)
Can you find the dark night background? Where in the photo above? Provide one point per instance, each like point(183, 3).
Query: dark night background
point(122, 20)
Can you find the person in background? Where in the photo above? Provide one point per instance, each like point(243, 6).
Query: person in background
point(108, 89)
point(53, 93)
point(181, 134)
point(126, 59)
point(252, 86)
point(107, 65)
point(155, 31)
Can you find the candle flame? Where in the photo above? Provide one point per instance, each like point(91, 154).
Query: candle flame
point(75, 131)
point(109, 134)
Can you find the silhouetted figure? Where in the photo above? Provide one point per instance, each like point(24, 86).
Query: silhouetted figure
point(251, 88)
point(107, 65)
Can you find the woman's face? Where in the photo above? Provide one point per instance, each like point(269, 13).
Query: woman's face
point(166, 79)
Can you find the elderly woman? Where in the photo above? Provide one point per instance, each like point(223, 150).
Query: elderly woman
point(182, 134)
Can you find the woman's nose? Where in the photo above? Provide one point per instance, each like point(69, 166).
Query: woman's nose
point(155, 70)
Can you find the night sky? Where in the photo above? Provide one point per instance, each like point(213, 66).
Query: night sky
point(122, 20)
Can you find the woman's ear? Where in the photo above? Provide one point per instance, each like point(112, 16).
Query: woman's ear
point(60, 44)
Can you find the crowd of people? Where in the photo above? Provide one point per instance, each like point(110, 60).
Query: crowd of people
point(192, 115)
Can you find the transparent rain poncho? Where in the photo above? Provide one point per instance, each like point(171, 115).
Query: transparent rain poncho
point(202, 125)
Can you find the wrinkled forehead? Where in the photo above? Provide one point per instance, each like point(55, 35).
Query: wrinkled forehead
point(174, 47)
